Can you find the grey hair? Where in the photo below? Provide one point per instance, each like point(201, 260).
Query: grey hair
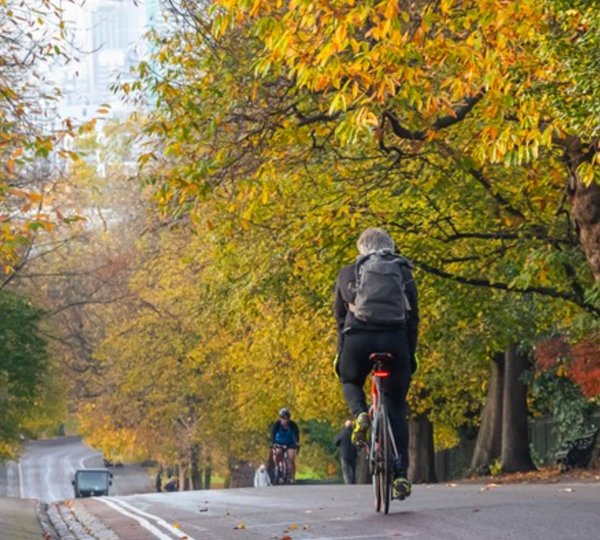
point(372, 240)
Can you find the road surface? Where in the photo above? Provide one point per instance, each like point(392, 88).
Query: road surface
point(302, 512)
point(46, 469)
point(463, 512)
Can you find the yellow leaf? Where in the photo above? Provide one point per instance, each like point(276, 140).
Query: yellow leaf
point(35, 197)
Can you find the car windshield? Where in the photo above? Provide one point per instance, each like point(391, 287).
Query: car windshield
point(92, 481)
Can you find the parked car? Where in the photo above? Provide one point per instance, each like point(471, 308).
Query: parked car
point(92, 482)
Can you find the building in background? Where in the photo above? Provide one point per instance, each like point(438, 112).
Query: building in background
point(107, 38)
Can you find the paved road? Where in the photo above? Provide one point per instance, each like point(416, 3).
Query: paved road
point(46, 469)
point(464, 512)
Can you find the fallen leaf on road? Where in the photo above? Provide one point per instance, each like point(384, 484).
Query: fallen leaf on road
point(177, 526)
point(293, 527)
point(305, 527)
point(240, 525)
point(567, 490)
point(203, 510)
point(286, 537)
point(452, 485)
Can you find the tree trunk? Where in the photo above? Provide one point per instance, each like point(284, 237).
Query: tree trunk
point(595, 459)
point(488, 447)
point(421, 450)
point(585, 202)
point(515, 435)
point(207, 477)
point(241, 473)
point(586, 215)
point(195, 474)
point(182, 478)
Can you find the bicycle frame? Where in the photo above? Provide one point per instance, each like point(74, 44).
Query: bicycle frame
point(375, 404)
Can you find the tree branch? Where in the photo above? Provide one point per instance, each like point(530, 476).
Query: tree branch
point(480, 282)
point(307, 120)
point(505, 235)
point(458, 115)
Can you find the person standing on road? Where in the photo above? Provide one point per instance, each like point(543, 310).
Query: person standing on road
point(261, 477)
point(348, 453)
point(376, 311)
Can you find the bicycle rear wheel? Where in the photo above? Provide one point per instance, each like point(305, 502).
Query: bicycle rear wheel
point(386, 460)
point(374, 459)
point(381, 450)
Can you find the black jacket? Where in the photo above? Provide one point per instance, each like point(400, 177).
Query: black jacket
point(345, 293)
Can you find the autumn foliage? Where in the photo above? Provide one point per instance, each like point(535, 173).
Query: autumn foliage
point(582, 361)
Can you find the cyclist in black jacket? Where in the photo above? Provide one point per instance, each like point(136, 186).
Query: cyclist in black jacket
point(357, 340)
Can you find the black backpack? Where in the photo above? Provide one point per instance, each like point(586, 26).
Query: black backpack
point(380, 290)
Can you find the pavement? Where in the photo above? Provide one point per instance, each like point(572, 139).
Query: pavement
point(18, 520)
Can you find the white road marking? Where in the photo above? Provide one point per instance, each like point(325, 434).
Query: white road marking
point(11, 480)
point(20, 472)
point(47, 460)
point(174, 530)
point(87, 458)
point(144, 523)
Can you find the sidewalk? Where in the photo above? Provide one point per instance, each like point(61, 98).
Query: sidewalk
point(18, 520)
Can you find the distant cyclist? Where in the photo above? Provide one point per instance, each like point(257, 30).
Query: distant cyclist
point(376, 311)
point(285, 435)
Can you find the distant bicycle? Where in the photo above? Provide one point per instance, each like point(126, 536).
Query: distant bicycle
point(282, 472)
point(382, 452)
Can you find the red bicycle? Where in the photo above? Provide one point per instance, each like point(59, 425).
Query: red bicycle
point(383, 454)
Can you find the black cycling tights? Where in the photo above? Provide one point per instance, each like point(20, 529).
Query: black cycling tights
point(354, 367)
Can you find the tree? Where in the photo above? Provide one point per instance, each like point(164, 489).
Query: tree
point(515, 439)
point(312, 148)
point(458, 130)
point(565, 386)
point(513, 78)
point(33, 38)
point(27, 391)
point(488, 448)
